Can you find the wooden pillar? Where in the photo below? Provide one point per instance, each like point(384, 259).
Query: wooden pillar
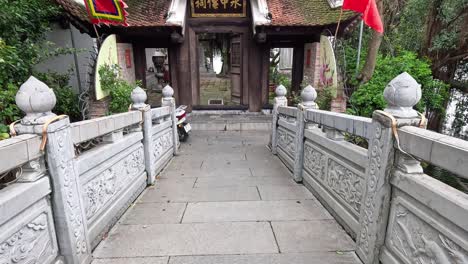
point(255, 77)
point(140, 63)
point(298, 67)
point(265, 74)
point(173, 51)
point(181, 69)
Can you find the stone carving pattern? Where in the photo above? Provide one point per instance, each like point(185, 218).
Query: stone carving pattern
point(162, 144)
point(286, 142)
point(347, 184)
point(418, 242)
point(369, 204)
point(99, 191)
point(31, 244)
point(70, 189)
point(344, 182)
point(315, 161)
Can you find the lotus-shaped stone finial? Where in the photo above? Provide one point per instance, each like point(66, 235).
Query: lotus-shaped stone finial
point(37, 100)
point(401, 94)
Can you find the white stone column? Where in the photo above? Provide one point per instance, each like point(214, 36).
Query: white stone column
point(138, 103)
point(280, 100)
point(401, 94)
point(37, 100)
point(308, 95)
point(169, 100)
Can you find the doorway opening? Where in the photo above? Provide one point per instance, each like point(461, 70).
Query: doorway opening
point(156, 74)
point(220, 62)
point(280, 73)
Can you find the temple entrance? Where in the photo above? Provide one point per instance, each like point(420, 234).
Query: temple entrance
point(220, 69)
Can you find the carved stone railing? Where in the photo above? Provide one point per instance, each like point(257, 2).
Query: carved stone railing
point(27, 230)
point(333, 168)
point(286, 135)
point(111, 171)
point(428, 219)
point(380, 195)
point(97, 168)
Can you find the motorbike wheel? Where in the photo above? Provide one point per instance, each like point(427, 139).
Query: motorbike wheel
point(182, 134)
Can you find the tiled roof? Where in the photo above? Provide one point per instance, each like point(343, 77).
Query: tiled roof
point(305, 13)
point(141, 13)
point(150, 13)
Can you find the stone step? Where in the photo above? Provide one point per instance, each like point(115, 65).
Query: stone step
point(229, 121)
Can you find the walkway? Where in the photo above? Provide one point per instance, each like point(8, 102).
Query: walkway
point(226, 199)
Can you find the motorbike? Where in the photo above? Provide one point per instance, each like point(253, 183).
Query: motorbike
point(183, 127)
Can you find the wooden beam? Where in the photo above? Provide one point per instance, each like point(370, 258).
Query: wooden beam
point(298, 67)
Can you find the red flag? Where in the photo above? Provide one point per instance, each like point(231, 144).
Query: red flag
point(107, 12)
point(369, 11)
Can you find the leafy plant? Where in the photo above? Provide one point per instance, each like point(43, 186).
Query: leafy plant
point(9, 112)
point(23, 24)
point(119, 89)
point(67, 100)
point(324, 98)
point(4, 132)
point(369, 96)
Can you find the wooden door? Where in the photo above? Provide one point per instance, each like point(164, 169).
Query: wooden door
point(236, 68)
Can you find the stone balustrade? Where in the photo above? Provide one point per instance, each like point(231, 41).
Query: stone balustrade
point(58, 211)
point(379, 193)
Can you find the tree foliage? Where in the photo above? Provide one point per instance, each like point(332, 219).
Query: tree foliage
point(434, 32)
point(119, 89)
point(369, 96)
point(23, 24)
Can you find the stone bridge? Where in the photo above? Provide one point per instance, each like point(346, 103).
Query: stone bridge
point(121, 189)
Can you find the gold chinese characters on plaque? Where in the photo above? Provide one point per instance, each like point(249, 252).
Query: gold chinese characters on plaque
point(218, 8)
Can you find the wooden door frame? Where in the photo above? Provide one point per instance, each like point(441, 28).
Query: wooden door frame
point(200, 28)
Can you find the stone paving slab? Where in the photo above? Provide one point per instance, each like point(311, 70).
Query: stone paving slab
point(154, 213)
point(271, 172)
point(200, 194)
point(223, 181)
point(310, 236)
point(255, 211)
point(238, 172)
point(146, 260)
point(203, 210)
point(185, 182)
point(294, 258)
point(274, 192)
point(188, 239)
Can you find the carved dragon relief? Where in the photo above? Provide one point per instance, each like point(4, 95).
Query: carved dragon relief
point(286, 142)
point(419, 243)
point(162, 144)
point(31, 244)
point(336, 176)
point(347, 184)
point(99, 191)
point(315, 161)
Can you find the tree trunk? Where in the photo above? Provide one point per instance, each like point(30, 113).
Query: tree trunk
point(371, 60)
point(373, 51)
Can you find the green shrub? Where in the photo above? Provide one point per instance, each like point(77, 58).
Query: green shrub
point(67, 100)
point(119, 89)
point(369, 96)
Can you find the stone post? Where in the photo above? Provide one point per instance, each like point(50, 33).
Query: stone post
point(308, 96)
point(37, 100)
point(401, 94)
point(169, 100)
point(139, 98)
point(280, 100)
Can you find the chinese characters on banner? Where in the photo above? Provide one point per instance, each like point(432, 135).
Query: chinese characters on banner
point(107, 12)
point(218, 8)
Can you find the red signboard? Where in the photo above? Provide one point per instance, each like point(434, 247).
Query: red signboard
point(128, 58)
point(218, 8)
